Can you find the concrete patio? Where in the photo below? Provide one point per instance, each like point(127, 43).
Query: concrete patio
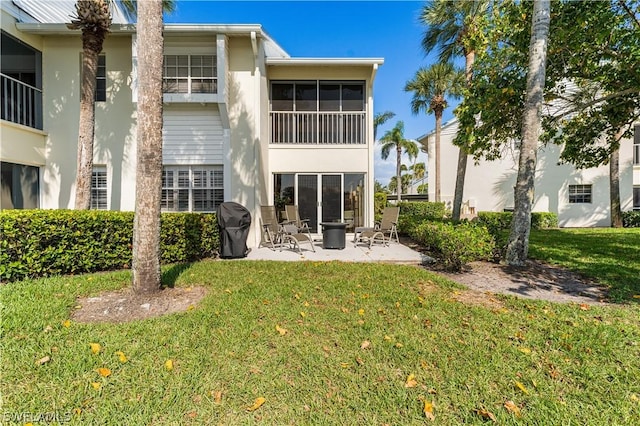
point(393, 253)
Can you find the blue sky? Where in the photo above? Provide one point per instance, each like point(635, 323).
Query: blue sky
point(379, 29)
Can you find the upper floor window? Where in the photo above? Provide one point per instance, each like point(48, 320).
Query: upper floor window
point(190, 74)
point(101, 79)
point(331, 96)
point(99, 188)
point(636, 197)
point(580, 193)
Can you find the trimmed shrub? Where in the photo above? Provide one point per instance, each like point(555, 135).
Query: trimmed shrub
point(37, 243)
point(544, 220)
point(499, 221)
point(379, 203)
point(455, 244)
point(631, 219)
point(413, 213)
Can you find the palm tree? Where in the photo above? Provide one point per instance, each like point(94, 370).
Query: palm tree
point(379, 119)
point(93, 18)
point(146, 228)
point(394, 139)
point(455, 26)
point(430, 87)
point(518, 246)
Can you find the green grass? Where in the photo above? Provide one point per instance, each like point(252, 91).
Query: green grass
point(611, 256)
point(578, 366)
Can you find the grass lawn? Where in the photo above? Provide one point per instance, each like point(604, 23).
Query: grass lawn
point(323, 344)
point(612, 256)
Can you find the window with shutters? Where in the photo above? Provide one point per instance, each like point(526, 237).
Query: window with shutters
point(99, 188)
point(192, 188)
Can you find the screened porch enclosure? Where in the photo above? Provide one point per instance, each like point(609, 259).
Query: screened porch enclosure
point(322, 197)
point(318, 112)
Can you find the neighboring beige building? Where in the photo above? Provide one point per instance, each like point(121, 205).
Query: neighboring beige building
point(243, 121)
point(579, 197)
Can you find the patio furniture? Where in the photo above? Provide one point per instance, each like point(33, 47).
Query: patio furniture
point(293, 216)
point(279, 235)
point(333, 235)
point(290, 234)
point(386, 226)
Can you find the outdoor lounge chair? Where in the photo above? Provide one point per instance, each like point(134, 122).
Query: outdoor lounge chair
point(293, 216)
point(386, 227)
point(271, 231)
point(292, 236)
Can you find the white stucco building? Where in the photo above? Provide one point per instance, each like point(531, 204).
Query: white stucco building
point(243, 121)
point(579, 197)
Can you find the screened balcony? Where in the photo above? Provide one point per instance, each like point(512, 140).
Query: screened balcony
point(318, 113)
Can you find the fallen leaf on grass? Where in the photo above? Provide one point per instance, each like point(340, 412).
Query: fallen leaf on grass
point(360, 311)
point(96, 385)
point(512, 408)
point(365, 345)
point(104, 372)
point(43, 360)
point(121, 356)
point(302, 314)
point(281, 330)
point(217, 396)
point(257, 404)
point(66, 323)
point(524, 350)
point(521, 387)
point(486, 414)
point(168, 364)
point(584, 306)
point(428, 410)
point(411, 381)
point(95, 348)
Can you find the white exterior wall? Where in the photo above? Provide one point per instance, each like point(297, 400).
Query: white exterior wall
point(115, 122)
point(489, 184)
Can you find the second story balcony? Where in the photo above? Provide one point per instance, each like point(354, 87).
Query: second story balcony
point(318, 127)
point(21, 103)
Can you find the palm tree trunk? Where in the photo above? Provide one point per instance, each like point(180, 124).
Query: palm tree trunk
point(462, 154)
point(399, 172)
point(146, 232)
point(614, 184)
point(91, 47)
point(438, 114)
point(518, 246)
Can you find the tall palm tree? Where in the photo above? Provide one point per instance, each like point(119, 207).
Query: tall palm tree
point(379, 119)
point(518, 246)
point(93, 19)
point(146, 227)
point(456, 27)
point(394, 139)
point(430, 87)
point(419, 171)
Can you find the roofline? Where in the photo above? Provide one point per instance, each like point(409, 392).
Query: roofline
point(61, 28)
point(324, 61)
point(451, 122)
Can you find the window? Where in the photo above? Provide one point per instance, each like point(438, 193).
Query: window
point(636, 197)
point(99, 188)
point(190, 74)
point(101, 79)
point(19, 186)
point(192, 188)
point(332, 96)
point(636, 144)
point(579, 193)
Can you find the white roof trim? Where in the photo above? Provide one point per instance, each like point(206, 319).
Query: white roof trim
point(325, 61)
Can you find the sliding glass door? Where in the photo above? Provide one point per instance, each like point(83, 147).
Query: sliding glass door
point(322, 197)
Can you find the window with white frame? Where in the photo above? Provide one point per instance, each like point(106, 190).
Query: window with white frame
point(192, 188)
point(580, 194)
point(99, 188)
point(190, 74)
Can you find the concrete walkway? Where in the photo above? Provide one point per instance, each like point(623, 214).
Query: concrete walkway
point(393, 253)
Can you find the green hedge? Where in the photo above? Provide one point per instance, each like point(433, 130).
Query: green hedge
point(498, 221)
point(631, 219)
point(37, 243)
point(413, 213)
point(455, 244)
point(379, 203)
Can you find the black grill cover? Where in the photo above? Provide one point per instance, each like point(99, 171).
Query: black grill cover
point(234, 221)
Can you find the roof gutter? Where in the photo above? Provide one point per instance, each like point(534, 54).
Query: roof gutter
point(61, 29)
point(373, 62)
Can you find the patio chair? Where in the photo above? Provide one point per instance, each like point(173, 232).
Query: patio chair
point(387, 226)
point(271, 232)
point(293, 216)
point(292, 236)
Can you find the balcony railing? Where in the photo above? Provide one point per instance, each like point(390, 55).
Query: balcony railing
point(636, 154)
point(320, 128)
point(20, 102)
